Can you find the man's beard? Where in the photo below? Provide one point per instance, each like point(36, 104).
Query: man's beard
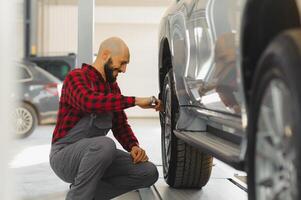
point(109, 71)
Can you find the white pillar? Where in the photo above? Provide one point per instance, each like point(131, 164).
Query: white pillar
point(8, 49)
point(85, 31)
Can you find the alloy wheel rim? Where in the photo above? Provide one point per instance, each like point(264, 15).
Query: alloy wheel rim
point(275, 172)
point(24, 121)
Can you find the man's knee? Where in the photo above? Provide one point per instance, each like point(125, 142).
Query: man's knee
point(151, 174)
point(104, 145)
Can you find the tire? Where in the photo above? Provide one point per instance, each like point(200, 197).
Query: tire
point(25, 119)
point(183, 165)
point(274, 149)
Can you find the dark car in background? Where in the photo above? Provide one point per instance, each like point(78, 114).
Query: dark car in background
point(229, 76)
point(37, 100)
point(59, 66)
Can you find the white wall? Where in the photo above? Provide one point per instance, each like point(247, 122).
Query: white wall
point(137, 25)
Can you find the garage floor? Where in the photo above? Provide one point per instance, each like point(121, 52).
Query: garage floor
point(35, 180)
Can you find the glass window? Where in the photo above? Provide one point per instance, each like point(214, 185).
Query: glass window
point(57, 68)
point(23, 74)
point(49, 76)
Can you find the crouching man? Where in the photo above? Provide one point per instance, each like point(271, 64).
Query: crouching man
point(91, 104)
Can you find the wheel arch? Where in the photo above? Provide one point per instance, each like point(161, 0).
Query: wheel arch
point(165, 61)
point(263, 20)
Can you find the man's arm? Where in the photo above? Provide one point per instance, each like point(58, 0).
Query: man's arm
point(122, 131)
point(124, 134)
point(80, 96)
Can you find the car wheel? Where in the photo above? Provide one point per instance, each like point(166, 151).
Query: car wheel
point(25, 120)
point(183, 165)
point(274, 128)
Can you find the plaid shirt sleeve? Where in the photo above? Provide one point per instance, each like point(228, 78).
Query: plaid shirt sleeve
point(80, 96)
point(122, 130)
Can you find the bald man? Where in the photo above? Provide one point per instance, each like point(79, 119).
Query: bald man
point(92, 104)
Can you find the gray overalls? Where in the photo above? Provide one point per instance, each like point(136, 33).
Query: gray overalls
point(89, 160)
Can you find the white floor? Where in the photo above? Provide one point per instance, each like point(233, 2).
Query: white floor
point(35, 180)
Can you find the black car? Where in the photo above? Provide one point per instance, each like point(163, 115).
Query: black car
point(37, 98)
point(59, 66)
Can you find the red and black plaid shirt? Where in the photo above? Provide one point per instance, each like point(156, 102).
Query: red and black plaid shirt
point(78, 98)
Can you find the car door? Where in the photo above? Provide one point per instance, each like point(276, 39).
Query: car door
point(212, 78)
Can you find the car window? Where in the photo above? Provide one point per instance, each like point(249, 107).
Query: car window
point(23, 74)
point(57, 68)
point(49, 76)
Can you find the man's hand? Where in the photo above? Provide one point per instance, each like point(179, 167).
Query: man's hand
point(138, 155)
point(149, 102)
point(143, 102)
point(159, 106)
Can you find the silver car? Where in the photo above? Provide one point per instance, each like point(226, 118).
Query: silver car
point(37, 98)
point(229, 76)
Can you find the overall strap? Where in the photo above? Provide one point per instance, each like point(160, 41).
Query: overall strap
point(93, 115)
